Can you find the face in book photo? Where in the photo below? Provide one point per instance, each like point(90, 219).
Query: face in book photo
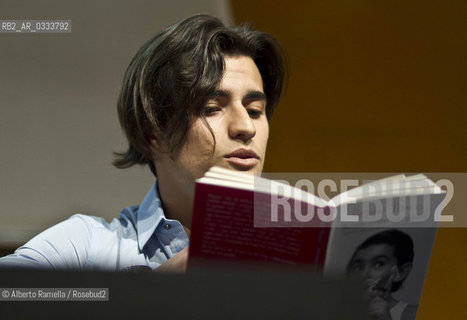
point(384, 261)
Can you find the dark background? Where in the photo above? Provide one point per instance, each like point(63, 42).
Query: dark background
point(375, 86)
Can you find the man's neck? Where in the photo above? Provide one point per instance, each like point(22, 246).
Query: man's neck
point(177, 203)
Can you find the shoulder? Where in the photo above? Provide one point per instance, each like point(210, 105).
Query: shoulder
point(64, 245)
point(76, 227)
point(86, 223)
point(70, 244)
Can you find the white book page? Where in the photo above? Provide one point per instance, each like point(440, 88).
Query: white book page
point(220, 176)
point(395, 186)
point(226, 183)
point(229, 178)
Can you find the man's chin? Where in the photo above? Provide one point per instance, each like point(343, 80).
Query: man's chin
point(249, 165)
point(254, 170)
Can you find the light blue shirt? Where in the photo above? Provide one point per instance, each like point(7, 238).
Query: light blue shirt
point(141, 236)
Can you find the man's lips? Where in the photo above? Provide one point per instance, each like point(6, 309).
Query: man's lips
point(242, 159)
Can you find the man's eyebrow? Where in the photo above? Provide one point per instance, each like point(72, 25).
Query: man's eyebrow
point(255, 95)
point(250, 95)
point(219, 94)
point(381, 256)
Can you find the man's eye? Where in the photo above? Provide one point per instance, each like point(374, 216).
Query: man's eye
point(209, 111)
point(255, 113)
point(356, 267)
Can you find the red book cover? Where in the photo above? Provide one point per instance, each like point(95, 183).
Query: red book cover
point(223, 229)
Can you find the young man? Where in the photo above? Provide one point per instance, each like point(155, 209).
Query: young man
point(384, 261)
point(197, 94)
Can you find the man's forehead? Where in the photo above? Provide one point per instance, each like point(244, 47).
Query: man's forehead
point(376, 250)
point(240, 68)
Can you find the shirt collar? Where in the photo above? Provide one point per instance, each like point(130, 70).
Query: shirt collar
point(149, 216)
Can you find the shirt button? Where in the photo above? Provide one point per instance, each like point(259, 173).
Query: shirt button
point(167, 226)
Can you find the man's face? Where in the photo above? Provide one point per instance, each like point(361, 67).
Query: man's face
point(375, 262)
point(237, 115)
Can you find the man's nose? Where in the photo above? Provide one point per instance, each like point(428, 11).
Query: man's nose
point(365, 273)
point(241, 125)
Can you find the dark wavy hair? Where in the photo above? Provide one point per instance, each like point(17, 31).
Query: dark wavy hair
point(399, 240)
point(173, 75)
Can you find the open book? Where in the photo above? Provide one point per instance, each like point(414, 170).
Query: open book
point(244, 218)
point(240, 216)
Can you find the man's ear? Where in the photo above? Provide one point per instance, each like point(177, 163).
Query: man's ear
point(157, 145)
point(154, 143)
point(404, 272)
